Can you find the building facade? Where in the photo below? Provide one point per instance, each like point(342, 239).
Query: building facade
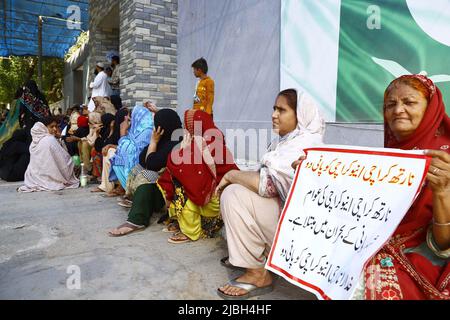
point(144, 33)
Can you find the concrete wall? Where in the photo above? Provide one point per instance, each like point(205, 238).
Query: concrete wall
point(75, 82)
point(369, 135)
point(240, 39)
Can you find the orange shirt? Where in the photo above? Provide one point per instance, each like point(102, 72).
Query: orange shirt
point(205, 95)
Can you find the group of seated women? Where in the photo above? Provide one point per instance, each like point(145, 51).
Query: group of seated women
point(192, 176)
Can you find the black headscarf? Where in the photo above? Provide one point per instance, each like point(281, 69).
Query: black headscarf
point(169, 121)
point(32, 86)
point(119, 118)
point(107, 118)
point(117, 102)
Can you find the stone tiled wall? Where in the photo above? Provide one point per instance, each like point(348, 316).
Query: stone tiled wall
point(147, 41)
point(148, 48)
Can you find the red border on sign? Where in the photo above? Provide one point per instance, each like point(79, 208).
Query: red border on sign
point(379, 153)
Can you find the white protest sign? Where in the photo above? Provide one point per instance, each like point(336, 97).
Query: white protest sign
point(343, 206)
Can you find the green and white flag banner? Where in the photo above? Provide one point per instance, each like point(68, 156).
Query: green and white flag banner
point(344, 53)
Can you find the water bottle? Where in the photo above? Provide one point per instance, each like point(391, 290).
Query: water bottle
point(83, 177)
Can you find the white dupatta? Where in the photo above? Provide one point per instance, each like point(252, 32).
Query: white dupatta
point(276, 164)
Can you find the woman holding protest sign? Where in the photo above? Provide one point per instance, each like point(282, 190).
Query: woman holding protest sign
point(252, 201)
point(414, 263)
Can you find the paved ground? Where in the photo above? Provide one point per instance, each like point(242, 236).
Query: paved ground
point(42, 234)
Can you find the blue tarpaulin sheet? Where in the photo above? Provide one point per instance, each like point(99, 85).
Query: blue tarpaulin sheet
point(19, 26)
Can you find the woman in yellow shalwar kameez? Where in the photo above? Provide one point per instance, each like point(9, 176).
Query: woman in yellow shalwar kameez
point(191, 176)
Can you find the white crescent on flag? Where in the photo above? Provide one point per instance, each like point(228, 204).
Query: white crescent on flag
point(437, 27)
point(397, 70)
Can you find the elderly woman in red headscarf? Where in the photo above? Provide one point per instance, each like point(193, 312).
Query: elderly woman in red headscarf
point(414, 263)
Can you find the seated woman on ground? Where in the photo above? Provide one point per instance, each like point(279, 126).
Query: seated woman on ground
point(147, 198)
point(193, 171)
point(251, 202)
point(88, 143)
point(79, 137)
point(104, 105)
point(12, 121)
point(186, 186)
point(72, 126)
point(106, 143)
point(51, 167)
point(131, 145)
point(414, 263)
point(15, 157)
point(153, 158)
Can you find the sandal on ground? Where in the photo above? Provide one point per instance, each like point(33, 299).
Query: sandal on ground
point(113, 194)
point(125, 203)
point(252, 290)
point(96, 190)
point(178, 238)
point(133, 228)
point(171, 228)
point(226, 263)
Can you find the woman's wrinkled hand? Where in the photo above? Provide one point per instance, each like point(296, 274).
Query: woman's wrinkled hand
point(296, 163)
point(438, 175)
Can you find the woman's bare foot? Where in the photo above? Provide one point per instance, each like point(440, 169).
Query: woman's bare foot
point(117, 192)
point(258, 277)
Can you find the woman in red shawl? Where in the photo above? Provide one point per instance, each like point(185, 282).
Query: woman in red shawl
point(414, 263)
point(191, 177)
point(187, 184)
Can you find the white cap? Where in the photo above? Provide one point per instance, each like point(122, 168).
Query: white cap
point(101, 65)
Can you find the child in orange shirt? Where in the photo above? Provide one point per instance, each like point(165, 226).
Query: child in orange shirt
point(204, 95)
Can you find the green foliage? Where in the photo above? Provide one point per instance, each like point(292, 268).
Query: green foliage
point(82, 39)
point(15, 71)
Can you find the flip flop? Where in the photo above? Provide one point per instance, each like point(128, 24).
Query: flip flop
point(125, 204)
point(174, 240)
point(252, 290)
point(226, 263)
point(128, 225)
point(97, 190)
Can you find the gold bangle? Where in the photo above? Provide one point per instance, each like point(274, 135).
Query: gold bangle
point(441, 224)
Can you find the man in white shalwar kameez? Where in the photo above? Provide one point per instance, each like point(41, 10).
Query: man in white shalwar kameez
point(100, 87)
